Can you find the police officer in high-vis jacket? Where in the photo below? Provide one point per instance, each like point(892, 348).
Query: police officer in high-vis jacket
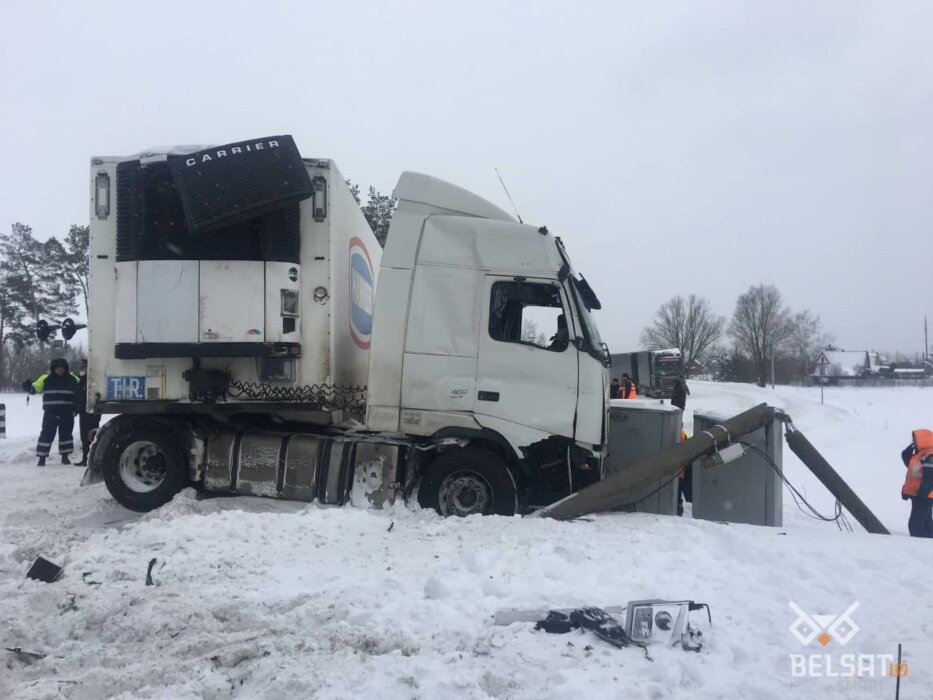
point(918, 485)
point(59, 389)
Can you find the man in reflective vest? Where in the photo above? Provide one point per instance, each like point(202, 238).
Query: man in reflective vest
point(918, 485)
point(59, 389)
point(628, 387)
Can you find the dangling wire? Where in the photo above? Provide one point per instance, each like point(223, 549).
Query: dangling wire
point(839, 517)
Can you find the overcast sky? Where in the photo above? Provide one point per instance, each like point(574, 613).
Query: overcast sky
point(677, 147)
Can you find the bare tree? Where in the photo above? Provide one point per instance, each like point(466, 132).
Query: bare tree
point(529, 330)
point(761, 325)
point(807, 338)
point(688, 324)
point(531, 333)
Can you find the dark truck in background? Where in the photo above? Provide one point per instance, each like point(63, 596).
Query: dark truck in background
point(653, 371)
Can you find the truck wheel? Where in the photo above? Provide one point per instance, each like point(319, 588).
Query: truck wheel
point(466, 482)
point(144, 467)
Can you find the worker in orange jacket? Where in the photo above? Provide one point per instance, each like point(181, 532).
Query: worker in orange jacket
point(628, 389)
point(918, 484)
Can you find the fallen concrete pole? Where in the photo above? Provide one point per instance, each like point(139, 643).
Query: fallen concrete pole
point(615, 491)
point(815, 462)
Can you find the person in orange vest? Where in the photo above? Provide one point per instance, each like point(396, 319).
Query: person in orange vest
point(628, 387)
point(918, 484)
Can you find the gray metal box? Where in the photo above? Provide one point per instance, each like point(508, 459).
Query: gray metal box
point(639, 429)
point(747, 490)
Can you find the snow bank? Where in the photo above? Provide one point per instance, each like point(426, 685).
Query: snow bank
point(258, 598)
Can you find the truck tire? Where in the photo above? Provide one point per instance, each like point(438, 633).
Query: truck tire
point(468, 481)
point(144, 466)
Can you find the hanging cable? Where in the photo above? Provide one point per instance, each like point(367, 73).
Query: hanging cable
point(839, 517)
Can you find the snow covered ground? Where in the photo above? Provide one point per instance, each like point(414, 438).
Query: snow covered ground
point(264, 599)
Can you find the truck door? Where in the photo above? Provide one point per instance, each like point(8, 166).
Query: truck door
point(527, 368)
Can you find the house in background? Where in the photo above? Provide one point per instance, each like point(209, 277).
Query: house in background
point(837, 366)
point(846, 363)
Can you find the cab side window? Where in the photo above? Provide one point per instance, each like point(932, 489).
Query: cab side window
point(529, 313)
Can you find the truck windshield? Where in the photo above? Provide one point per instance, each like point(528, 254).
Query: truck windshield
point(667, 367)
point(594, 343)
point(585, 299)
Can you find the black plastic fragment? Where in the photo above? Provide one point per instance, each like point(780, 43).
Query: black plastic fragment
point(44, 570)
point(556, 623)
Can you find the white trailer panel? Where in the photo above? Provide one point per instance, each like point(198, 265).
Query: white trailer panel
point(166, 301)
point(124, 288)
point(232, 301)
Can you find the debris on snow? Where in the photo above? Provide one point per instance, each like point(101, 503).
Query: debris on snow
point(344, 611)
point(152, 563)
point(44, 570)
point(29, 656)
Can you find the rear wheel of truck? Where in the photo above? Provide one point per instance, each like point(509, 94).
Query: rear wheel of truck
point(468, 481)
point(144, 467)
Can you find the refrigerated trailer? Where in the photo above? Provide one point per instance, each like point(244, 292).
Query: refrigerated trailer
point(254, 338)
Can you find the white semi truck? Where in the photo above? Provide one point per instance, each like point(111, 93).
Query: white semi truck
point(254, 338)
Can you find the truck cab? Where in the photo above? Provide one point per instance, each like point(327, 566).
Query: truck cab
point(668, 368)
point(460, 281)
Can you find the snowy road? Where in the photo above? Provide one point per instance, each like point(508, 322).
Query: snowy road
point(263, 599)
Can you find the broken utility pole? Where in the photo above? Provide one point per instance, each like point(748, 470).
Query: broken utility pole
point(832, 481)
point(616, 490)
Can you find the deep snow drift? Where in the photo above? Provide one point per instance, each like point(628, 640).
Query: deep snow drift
point(258, 598)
